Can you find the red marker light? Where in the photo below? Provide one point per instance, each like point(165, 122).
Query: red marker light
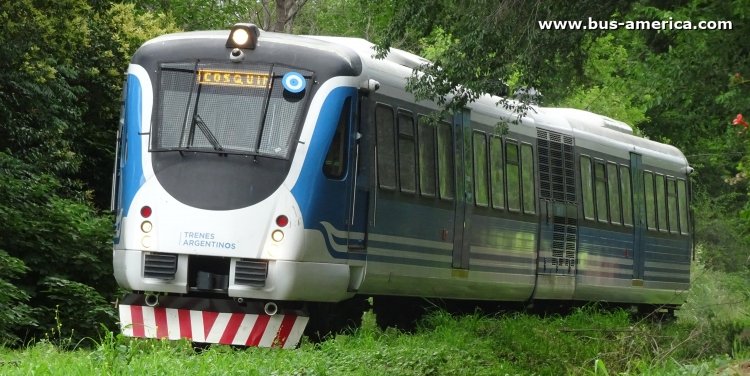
point(146, 211)
point(282, 221)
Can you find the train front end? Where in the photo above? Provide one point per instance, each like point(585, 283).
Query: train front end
point(214, 138)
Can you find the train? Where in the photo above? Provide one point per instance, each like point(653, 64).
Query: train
point(269, 186)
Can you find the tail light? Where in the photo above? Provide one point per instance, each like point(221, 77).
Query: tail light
point(282, 221)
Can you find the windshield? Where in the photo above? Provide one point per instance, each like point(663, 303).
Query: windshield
point(224, 108)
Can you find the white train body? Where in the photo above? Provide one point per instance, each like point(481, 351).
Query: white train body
point(298, 172)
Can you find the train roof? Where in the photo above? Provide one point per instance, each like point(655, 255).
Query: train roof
point(397, 65)
point(586, 126)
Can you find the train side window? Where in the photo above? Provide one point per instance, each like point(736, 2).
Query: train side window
point(385, 147)
point(627, 199)
point(648, 185)
point(426, 142)
point(445, 161)
point(674, 226)
point(334, 166)
point(600, 184)
point(406, 153)
point(614, 194)
point(587, 188)
point(661, 203)
point(514, 180)
point(527, 179)
point(682, 198)
point(120, 149)
point(497, 169)
point(481, 194)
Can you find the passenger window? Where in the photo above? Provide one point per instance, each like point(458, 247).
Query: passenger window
point(480, 169)
point(514, 183)
point(497, 168)
point(627, 199)
point(648, 183)
point(614, 193)
point(426, 142)
point(406, 153)
point(527, 179)
point(601, 191)
point(385, 147)
point(683, 207)
point(587, 188)
point(661, 203)
point(445, 161)
point(334, 166)
point(674, 227)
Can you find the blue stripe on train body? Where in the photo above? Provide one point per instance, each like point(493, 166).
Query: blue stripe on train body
point(322, 199)
point(131, 162)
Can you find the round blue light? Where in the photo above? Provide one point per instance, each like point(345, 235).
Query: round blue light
point(293, 82)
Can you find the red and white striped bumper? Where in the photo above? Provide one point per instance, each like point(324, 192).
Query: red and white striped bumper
point(282, 330)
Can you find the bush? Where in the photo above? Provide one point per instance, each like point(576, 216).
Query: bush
point(15, 312)
point(51, 240)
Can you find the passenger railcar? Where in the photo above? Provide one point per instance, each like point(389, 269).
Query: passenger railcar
point(267, 183)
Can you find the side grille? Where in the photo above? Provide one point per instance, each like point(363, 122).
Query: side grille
point(250, 272)
point(556, 166)
point(564, 242)
point(160, 265)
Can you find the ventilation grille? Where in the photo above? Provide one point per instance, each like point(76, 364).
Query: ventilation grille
point(160, 265)
point(251, 272)
point(564, 243)
point(556, 166)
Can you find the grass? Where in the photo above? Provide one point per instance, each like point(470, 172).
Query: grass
point(710, 336)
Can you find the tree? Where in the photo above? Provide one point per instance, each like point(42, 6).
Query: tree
point(16, 312)
point(61, 66)
point(212, 15)
point(286, 11)
point(39, 104)
point(347, 18)
point(490, 45)
point(47, 237)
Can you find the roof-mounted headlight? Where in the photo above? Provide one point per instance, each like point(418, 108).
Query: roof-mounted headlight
point(243, 35)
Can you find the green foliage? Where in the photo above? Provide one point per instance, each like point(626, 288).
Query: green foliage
point(38, 95)
point(15, 312)
point(587, 342)
point(723, 242)
point(79, 311)
point(487, 49)
point(612, 83)
point(61, 66)
point(52, 236)
point(347, 18)
point(200, 14)
point(717, 298)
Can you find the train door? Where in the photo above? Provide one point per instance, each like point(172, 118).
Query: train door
point(359, 189)
point(464, 187)
point(639, 215)
point(557, 248)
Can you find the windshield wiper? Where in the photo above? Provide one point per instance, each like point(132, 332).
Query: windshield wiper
point(197, 120)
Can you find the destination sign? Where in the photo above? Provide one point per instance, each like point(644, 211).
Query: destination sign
point(228, 78)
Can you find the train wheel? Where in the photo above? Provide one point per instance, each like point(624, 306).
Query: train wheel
point(333, 318)
point(398, 312)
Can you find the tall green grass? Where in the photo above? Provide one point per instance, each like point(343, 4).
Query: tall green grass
point(709, 336)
